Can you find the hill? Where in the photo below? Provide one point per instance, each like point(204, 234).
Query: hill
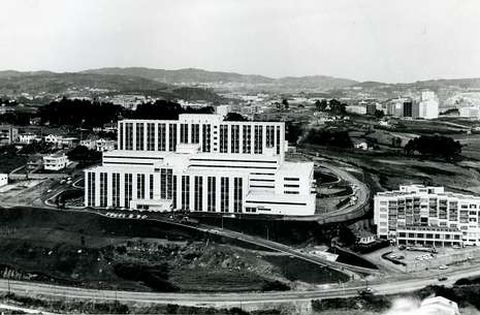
point(93, 84)
point(231, 80)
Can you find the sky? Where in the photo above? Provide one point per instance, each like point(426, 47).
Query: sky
point(378, 40)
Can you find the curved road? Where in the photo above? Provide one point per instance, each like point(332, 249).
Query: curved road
point(388, 286)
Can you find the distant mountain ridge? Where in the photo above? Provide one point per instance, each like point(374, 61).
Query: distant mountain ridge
point(199, 76)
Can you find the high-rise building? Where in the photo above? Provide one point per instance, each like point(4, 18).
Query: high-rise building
point(425, 215)
point(428, 105)
point(201, 163)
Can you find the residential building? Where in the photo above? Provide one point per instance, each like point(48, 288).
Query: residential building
point(8, 134)
point(427, 215)
point(61, 141)
point(55, 162)
point(100, 145)
point(201, 163)
point(28, 138)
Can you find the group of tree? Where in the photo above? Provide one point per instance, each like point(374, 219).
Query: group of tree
point(235, 117)
point(81, 113)
point(293, 132)
point(85, 113)
point(284, 105)
point(335, 138)
point(163, 109)
point(434, 146)
point(333, 106)
point(84, 155)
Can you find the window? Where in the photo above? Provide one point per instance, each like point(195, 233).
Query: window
point(150, 136)
point(223, 138)
point(103, 190)
point(116, 190)
point(247, 139)
point(128, 189)
point(172, 137)
point(278, 139)
point(129, 136)
point(151, 186)
point(91, 189)
point(174, 191)
point(237, 194)
point(120, 136)
point(185, 192)
point(140, 186)
point(224, 194)
point(258, 146)
point(139, 139)
point(162, 137)
point(195, 133)
point(183, 133)
point(211, 194)
point(270, 136)
point(198, 193)
point(206, 138)
point(235, 144)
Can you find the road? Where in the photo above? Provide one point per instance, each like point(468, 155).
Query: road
point(357, 210)
point(388, 286)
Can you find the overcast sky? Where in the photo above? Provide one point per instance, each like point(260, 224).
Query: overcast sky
point(385, 40)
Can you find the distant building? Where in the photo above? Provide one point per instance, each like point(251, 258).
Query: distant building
point(371, 108)
point(55, 162)
point(428, 105)
point(472, 111)
point(62, 142)
point(356, 109)
point(8, 134)
point(427, 216)
point(3, 179)
point(101, 145)
point(28, 138)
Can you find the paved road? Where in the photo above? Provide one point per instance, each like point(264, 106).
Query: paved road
point(388, 286)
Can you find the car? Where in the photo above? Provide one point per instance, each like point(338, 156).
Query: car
point(456, 247)
point(443, 267)
point(49, 191)
point(366, 291)
point(442, 279)
point(401, 247)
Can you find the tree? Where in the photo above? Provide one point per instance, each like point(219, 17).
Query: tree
point(235, 117)
point(285, 104)
point(321, 106)
point(339, 139)
point(84, 155)
point(379, 114)
point(434, 146)
point(337, 108)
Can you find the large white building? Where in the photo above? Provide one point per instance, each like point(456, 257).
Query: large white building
point(423, 215)
point(204, 164)
point(55, 162)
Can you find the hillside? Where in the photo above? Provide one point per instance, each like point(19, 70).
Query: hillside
point(90, 84)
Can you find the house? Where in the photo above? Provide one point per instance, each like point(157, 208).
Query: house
point(55, 162)
point(3, 179)
point(365, 238)
point(360, 144)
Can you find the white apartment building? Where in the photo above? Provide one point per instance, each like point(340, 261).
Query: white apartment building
point(430, 216)
point(55, 162)
point(201, 163)
point(428, 105)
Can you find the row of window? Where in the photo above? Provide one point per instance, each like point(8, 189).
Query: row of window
point(190, 133)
